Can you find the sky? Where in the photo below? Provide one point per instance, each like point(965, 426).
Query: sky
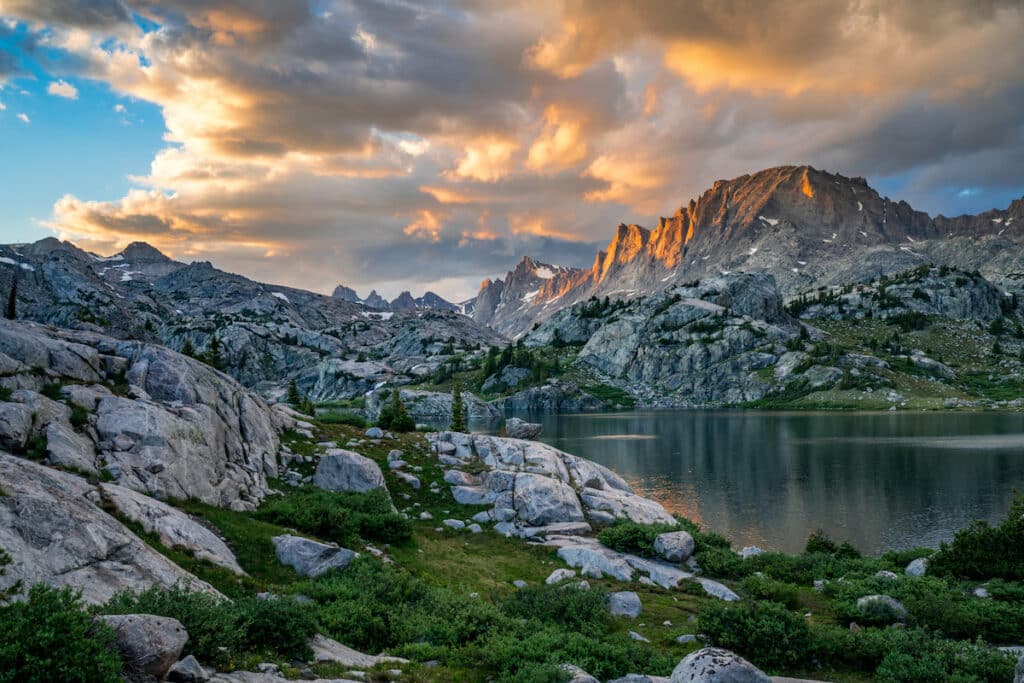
point(397, 145)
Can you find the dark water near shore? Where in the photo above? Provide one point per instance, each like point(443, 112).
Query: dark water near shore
point(880, 480)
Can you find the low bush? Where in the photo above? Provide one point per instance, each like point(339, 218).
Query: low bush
point(531, 653)
point(339, 517)
point(723, 563)
point(761, 587)
point(629, 537)
point(909, 655)
point(342, 418)
point(50, 637)
point(211, 621)
point(220, 630)
point(984, 552)
point(583, 611)
point(764, 632)
point(79, 416)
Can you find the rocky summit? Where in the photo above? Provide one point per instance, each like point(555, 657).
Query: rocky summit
point(804, 226)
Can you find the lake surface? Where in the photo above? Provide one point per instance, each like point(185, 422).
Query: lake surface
point(880, 480)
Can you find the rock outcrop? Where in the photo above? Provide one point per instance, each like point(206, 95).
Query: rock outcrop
point(56, 534)
point(531, 487)
point(434, 407)
point(693, 345)
point(154, 420)
point(174, 527)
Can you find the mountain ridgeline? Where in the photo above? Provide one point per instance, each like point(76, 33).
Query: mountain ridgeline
point(690, 313)
point(807, 228)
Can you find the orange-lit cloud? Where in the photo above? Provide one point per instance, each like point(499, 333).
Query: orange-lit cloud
point(360, 138)
point(487, 159)
point(562, 144)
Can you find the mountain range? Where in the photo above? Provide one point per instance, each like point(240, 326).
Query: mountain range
point(808, 228)
point(796, 228)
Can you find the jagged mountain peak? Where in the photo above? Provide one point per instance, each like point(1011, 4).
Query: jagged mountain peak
point(143, 251)
point(804, 225)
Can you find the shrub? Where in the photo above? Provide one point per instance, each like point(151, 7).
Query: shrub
point(764, 632)
point(531, 652)
point(280, 625)
point(983, 552)
point(211, 621)
point(764, 588)
point(339, 517)
point(342, 418)
point(220, 630)
point(51, 390)
point(582, 611)
point(630, 537)
point(357, 605)
point(723, 563)
point(49, 637)
point(910, 655)
point(79, 416)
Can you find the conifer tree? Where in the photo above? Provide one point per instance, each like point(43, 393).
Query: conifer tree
point(458, 423)
point(12, 298)
point(294, 397)
point(187, 349)
point(401, 421)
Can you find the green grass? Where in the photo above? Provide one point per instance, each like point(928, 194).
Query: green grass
point(451, 594)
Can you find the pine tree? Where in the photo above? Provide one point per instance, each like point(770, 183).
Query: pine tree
point(458, 423)
point(294, 397)
point(187, 349)
point(213, 355)
point(401, 421)
point(12, 299)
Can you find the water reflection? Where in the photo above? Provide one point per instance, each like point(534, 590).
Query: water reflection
point(879, 480)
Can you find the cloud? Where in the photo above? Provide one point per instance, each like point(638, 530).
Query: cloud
point(24, 118)
point(119, 108)
point(3, 107)
point(63, 89)
point(410, 143)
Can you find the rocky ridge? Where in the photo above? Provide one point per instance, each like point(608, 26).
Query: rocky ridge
point(265, 334)
point(804, 226)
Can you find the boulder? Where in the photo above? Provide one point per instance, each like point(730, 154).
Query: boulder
point(559, 575)
point(917, 568)
point(341, 470)
point(715, 665)
point(310, 558)
point(68, 449)
point(541, 500)
point(327, 650)
point(749, 551)
point(56, 535)
point(882, 608)
point(374, 433)
point(148, 644)
point(674, 546)
point(624, 604)
point(187, 670)
point(521, 429)
point(15, 425)
point(577, 675)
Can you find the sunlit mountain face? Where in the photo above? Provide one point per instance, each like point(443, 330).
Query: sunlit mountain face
point(427, 146)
